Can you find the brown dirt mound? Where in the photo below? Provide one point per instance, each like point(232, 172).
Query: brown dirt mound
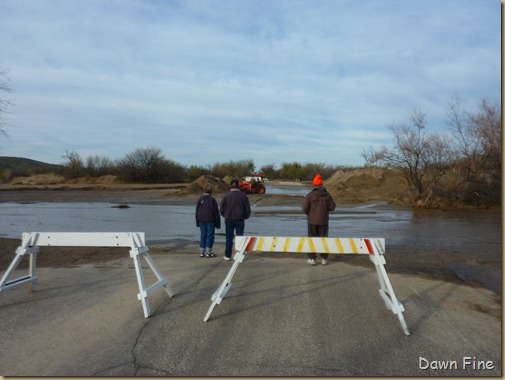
point(105, 179)
point(344, 176)
point(357, 185)
point(218, 185)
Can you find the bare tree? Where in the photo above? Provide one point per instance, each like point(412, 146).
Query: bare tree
point(97, 166)
point(423, 157)
point(74, 167)
point(478, 142)
point(4, 102)
point(148, 165)
point(142, 165)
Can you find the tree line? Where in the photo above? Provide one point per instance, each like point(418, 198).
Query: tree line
point(149, 165)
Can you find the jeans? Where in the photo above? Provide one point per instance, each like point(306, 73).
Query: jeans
point(207, 235)
point(231, 226)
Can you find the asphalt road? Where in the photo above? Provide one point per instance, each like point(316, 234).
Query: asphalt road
point(282, 317)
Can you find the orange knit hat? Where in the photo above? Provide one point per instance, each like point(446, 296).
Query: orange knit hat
point(318, 180)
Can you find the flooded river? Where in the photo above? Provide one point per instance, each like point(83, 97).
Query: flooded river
point(459, 239)
point(167, 222)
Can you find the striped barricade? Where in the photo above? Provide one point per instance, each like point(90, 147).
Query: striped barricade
point(312, 245)
point(373, 247)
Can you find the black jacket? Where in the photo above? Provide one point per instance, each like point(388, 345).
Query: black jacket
point(207, 211)
point(235, 205)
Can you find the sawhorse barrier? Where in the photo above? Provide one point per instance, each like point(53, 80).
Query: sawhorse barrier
point(373, 247)
point(31, 242)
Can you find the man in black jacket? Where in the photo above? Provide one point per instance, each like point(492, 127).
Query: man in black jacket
point(235, 208)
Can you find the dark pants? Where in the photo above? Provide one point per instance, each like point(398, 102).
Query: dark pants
point(318, 231)
point(232, 226)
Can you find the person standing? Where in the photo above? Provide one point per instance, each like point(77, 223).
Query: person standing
point(235, 208)
point(208, 219)
point(317, 206)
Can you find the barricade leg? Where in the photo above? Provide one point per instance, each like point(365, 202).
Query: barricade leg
point(31, 278)
point(386, 291)
point(162, 281)
point(142, 296)
point(221, 291)
point(144, 292)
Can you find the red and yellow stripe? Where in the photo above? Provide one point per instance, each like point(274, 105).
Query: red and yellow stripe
point(368, 246)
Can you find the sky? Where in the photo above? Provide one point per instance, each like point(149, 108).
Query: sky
point(208, 81)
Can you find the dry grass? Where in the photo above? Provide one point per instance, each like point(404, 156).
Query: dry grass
point(39, 179)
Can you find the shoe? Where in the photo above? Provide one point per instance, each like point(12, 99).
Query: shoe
point(324, 262)
point(211, 254)
point(227, 258)
point(311, 262)
point(202, 254)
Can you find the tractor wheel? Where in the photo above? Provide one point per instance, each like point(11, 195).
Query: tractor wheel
point(260, 189)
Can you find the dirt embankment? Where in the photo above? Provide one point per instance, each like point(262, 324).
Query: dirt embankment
point(367, 185)
point(109, 182)
point(218, 185)
point(347, 187)
point(355, 185)
point(57, 182)
point(363, 185)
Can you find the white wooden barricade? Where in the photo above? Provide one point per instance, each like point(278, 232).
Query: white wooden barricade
point(31, 241)
point(373, 247)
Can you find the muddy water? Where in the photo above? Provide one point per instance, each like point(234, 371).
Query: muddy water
point(169, 222)
point(466, 244)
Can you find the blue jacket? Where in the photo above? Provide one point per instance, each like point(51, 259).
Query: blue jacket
point(207, 211)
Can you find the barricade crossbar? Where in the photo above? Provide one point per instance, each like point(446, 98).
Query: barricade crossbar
point(359, 246)
point(31, 241)
point(373, 247)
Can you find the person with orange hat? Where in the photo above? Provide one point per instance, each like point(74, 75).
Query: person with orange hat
point(317, 206)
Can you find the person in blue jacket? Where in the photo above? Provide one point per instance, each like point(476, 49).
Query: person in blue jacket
point(208, 219)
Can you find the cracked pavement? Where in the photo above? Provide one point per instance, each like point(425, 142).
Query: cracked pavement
point(282, 317)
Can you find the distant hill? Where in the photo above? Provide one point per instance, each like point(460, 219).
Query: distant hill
point(20, 167)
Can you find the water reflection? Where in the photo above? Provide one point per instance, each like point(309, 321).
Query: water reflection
point(288, 190)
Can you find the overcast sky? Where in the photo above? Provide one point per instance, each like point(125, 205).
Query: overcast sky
point(215, 80)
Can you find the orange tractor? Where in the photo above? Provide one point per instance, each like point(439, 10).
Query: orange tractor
point(254, 184)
